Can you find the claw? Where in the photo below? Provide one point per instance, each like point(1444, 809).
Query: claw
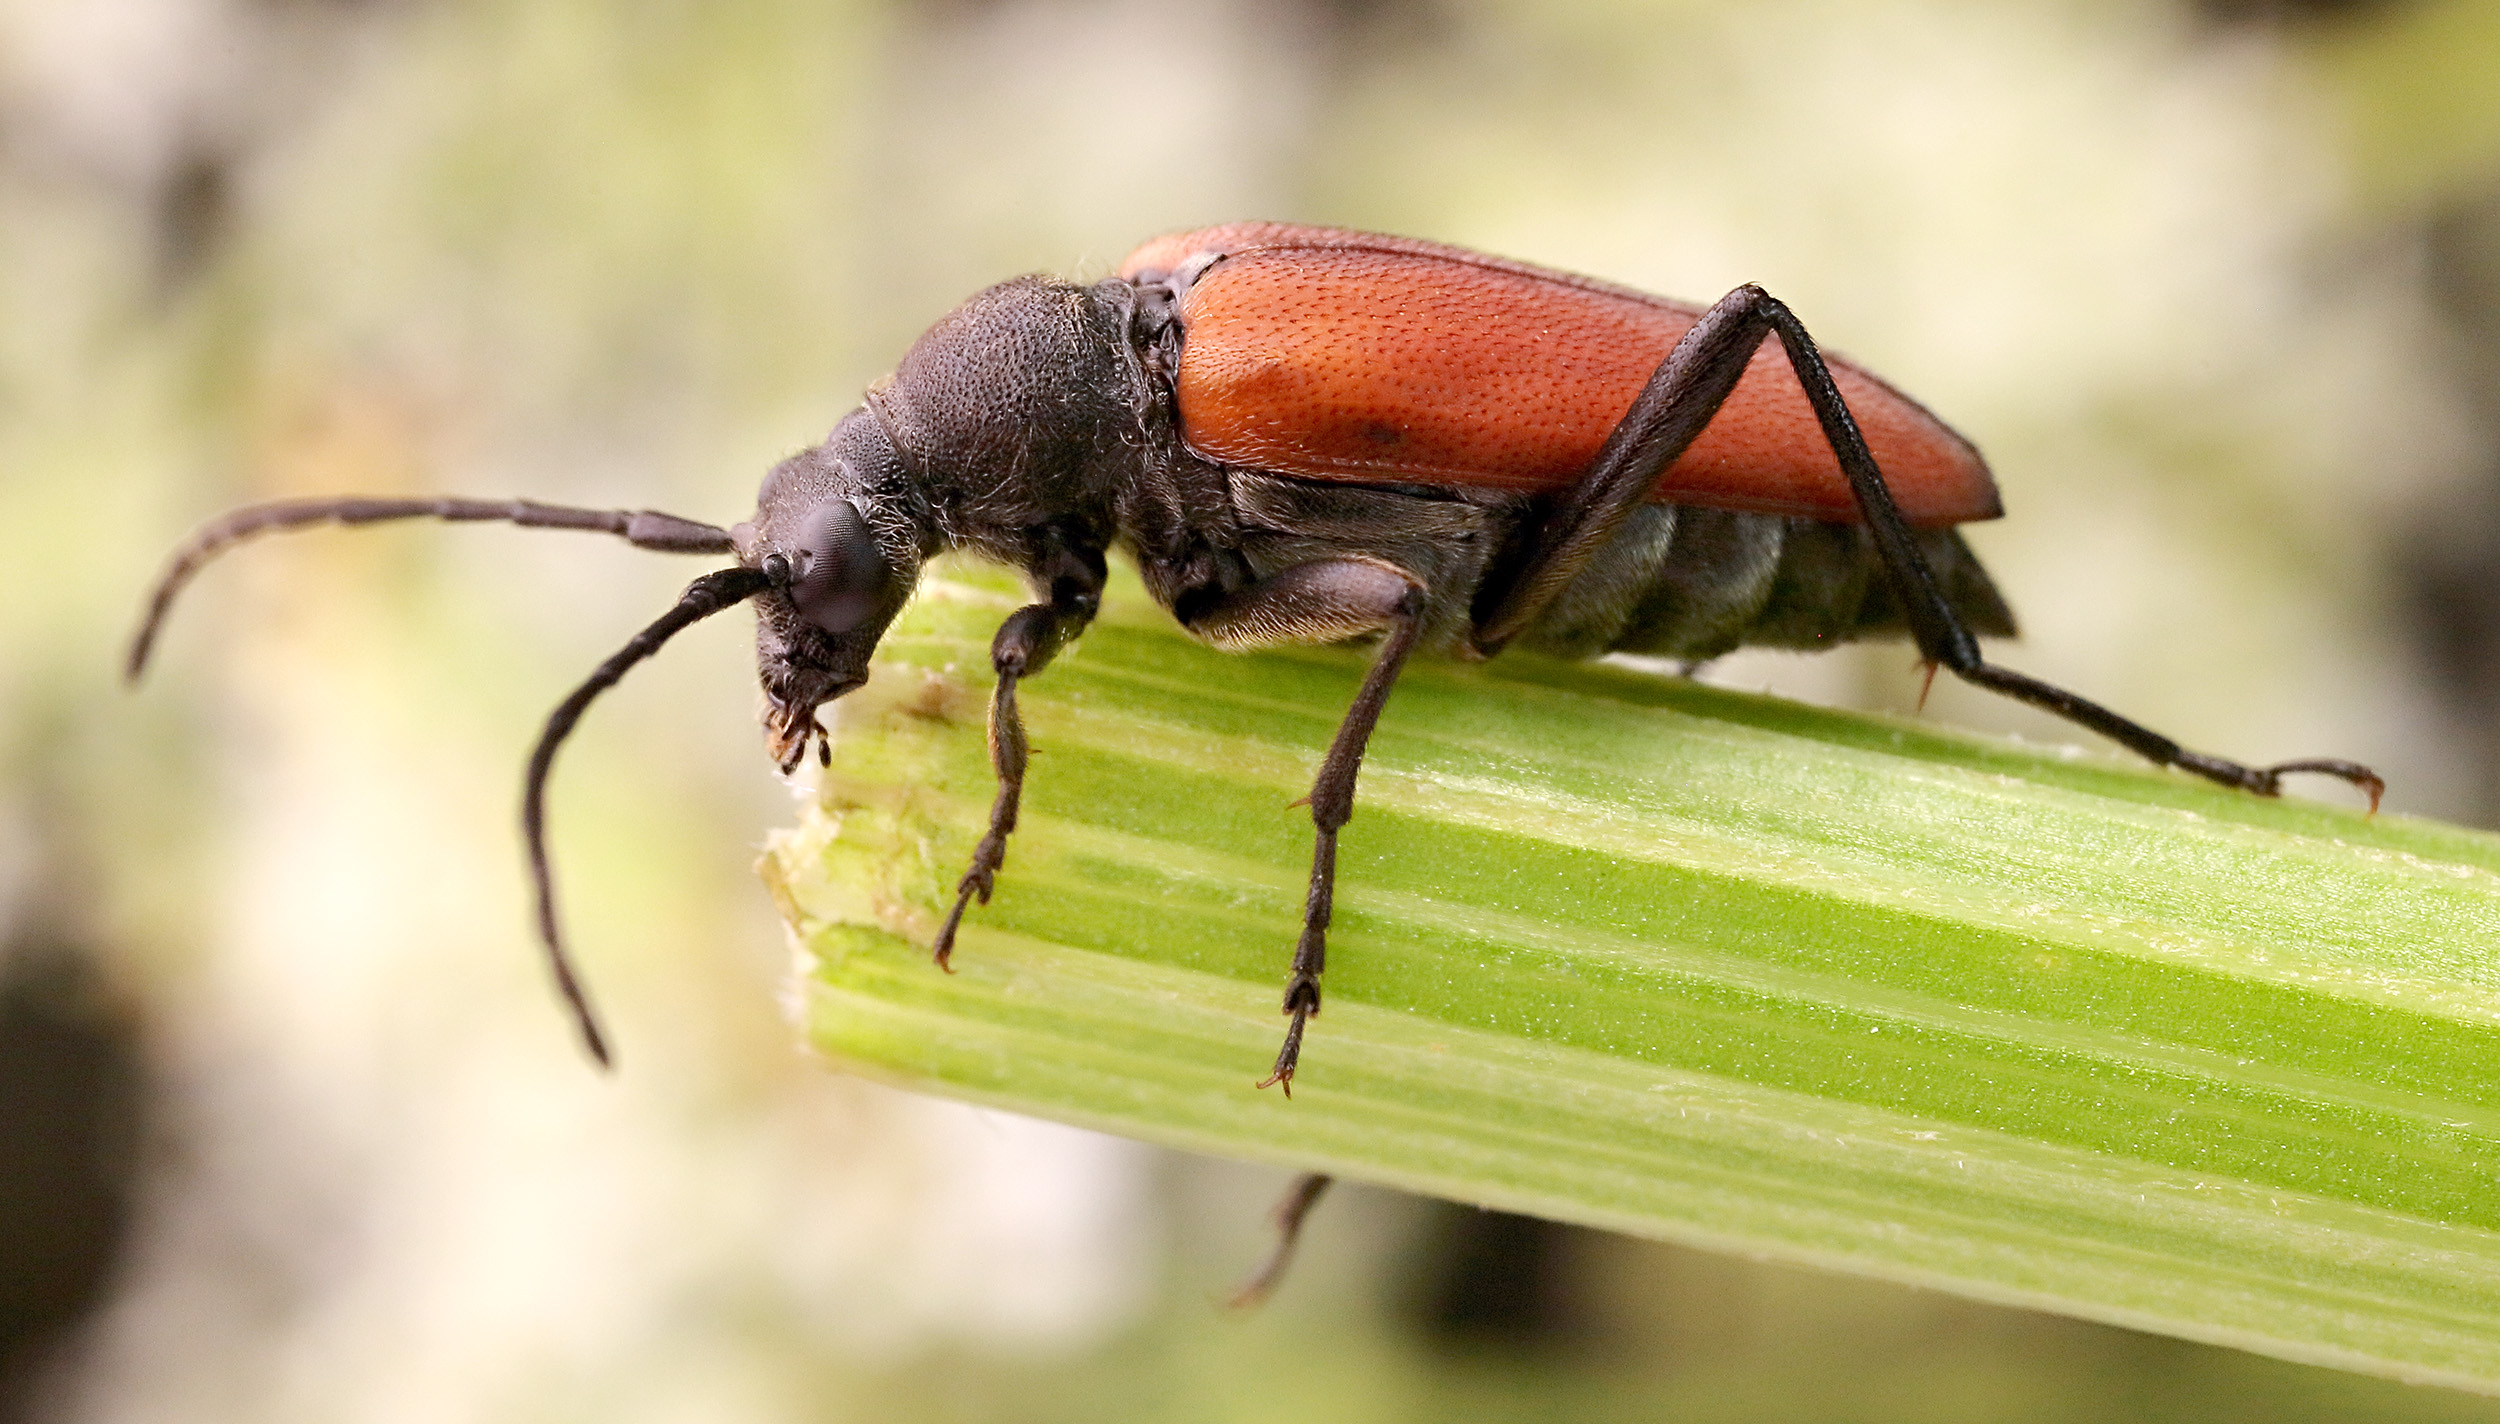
point(945, 947)
point(1287, 1056)
point(2368, 782)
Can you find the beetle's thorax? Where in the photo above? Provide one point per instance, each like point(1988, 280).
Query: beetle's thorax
point(1019, 409)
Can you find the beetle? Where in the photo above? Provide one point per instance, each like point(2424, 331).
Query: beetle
point(1305, 435)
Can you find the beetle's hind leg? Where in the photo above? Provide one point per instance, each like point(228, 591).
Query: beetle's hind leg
point(1681, 396)
point(1292, 1210)
point(1944, 636)
point(1321, 602)
point(2144, 741)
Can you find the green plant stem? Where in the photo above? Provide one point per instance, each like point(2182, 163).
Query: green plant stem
point(1654, 956)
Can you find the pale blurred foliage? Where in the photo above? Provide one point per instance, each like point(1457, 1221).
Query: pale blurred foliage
point(627, 254)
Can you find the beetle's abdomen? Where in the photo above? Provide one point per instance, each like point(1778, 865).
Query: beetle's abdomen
point(1333, 355)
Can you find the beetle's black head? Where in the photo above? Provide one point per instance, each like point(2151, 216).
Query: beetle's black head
point(839, 530)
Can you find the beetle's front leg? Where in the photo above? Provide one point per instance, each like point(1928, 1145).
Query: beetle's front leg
point(1026, 642)
point(1322, 602)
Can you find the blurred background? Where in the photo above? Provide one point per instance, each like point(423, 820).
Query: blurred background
point(290, 1127)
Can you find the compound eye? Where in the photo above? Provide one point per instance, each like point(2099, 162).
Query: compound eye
point(841, 579)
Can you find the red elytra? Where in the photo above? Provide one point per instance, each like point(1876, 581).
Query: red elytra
point(1337, 355)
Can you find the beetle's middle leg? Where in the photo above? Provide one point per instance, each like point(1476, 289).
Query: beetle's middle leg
point(1326, 601)
point(1025, 644)
point(1681, 396)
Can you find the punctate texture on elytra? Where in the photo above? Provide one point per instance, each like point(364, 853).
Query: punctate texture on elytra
point(1334, 355)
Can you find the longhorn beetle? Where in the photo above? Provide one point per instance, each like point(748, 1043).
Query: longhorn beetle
point(1308, 435)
